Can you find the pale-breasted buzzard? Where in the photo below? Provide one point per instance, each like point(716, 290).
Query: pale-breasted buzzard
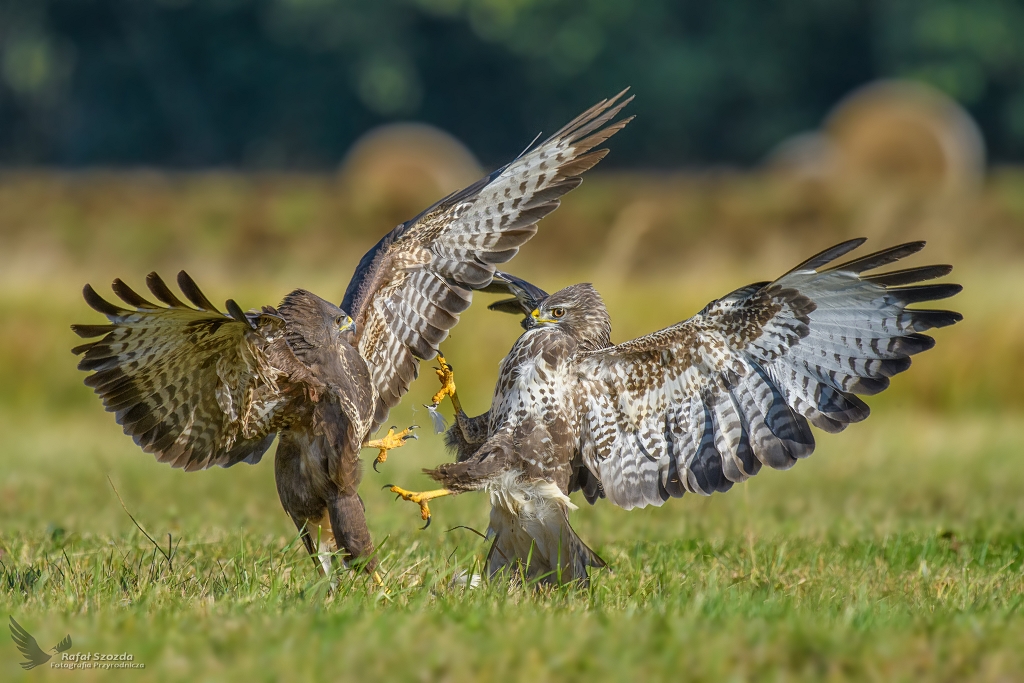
point(695, 407)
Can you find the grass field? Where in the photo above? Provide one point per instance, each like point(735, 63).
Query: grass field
point(896, 552)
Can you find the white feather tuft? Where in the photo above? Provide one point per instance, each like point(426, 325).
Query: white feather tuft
point(437, 420)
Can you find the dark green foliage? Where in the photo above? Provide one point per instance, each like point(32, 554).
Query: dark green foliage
point(283, 83)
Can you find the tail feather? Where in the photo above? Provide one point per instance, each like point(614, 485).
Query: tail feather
point(542, 549)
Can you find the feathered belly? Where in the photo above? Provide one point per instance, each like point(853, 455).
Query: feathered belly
point(527, 499)
point(531, 531)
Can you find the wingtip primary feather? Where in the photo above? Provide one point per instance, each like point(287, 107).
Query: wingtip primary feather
point(90, 331)
point(130, 296)
point(909, 276)
point(162, 292)
point(192, 292)
point(918, 293)
point(829, 255)
point(98, 303)
point(590, 120)
point(880, 258)
point(236, 312)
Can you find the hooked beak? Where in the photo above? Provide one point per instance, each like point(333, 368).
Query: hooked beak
point(349, 325)
point(535, 314)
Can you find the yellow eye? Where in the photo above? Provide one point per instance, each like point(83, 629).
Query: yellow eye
point(558, 312)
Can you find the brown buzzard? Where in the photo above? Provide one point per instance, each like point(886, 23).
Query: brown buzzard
point(695, 407)
point(199, 388)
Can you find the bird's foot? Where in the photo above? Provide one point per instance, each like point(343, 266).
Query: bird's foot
point(388, 442)
point(446, 375)
point(420, 499)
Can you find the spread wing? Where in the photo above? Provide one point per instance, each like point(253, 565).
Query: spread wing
point(705, 403)
point(409, 290)
point(27, 645)
point(193, 386)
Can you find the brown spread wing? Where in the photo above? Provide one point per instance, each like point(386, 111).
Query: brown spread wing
point(193, 386)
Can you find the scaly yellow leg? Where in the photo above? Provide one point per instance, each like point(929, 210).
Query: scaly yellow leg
point(446, 374)
point(420, 499)
point(389, 441)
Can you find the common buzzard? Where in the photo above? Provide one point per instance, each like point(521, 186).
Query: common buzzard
point(198, 388)
point(695, 407)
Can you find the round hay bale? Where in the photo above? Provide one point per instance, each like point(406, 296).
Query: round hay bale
point(906, 133)
point(395, 171)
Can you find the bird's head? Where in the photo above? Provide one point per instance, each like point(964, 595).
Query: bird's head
point(316, 321)
point(579, 311)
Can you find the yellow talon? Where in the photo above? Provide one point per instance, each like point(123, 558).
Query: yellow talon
point(420, 499)
point(446, 375)
point(389, 441)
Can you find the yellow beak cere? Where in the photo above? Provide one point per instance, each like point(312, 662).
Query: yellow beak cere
point(535, 314)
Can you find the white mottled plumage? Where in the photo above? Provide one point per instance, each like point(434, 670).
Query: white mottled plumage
point(697, 406)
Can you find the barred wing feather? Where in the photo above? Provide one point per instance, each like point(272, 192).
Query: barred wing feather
point(193, 386)
point(409, 290)
point(705, 403)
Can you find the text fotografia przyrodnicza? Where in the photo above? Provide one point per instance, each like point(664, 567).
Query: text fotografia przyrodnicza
point(97, 660)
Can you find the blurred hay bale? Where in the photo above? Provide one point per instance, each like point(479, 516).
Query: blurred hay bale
point(633, 222)
point(904, 159)
point(394, 171)
point(906, 133)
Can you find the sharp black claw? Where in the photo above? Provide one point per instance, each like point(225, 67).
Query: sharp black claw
point(427, 524)
point(410, 436)
point(386, 486)
point(375, 463)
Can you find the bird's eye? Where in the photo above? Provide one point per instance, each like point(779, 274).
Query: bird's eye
point(339, 321)
point(558, 312)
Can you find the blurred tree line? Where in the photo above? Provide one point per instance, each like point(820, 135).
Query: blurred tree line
point(291, 83)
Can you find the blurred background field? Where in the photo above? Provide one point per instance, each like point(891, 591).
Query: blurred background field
point(280, 139)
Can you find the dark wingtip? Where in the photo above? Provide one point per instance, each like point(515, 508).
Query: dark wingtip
point(918, 293)
point(161, 291)
point(98, 303)
point(90, 331)
point(236, 312)
point(512, 306)
point(927, 319)
point(880, 258)
point(81, 348)
point(828, 255)
point(192, 292)
point(129, 295)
